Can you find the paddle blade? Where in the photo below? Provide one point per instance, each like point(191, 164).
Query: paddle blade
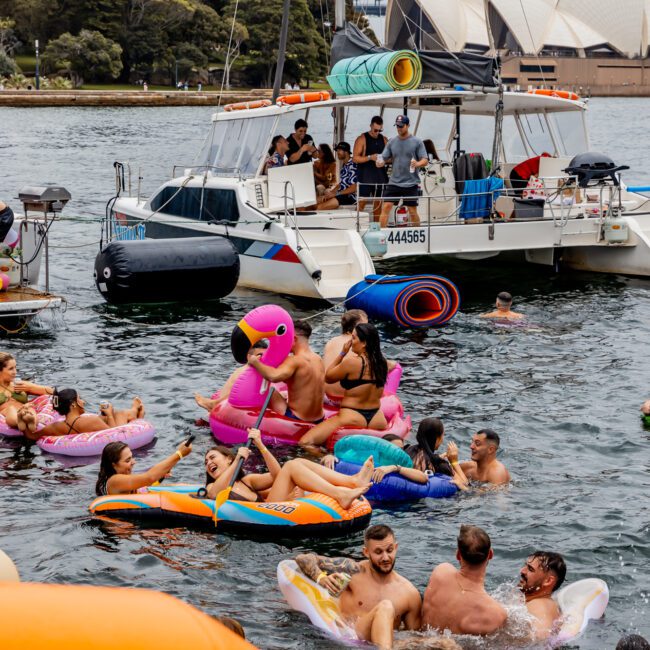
point(220, 499)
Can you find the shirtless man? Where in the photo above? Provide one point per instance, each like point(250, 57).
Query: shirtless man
point(349, 321)
point(304, 373)
point(377, 599)
point(456, 600)
point(542, 574)
point(503, 308)
point(208, 403)
point(484, 466)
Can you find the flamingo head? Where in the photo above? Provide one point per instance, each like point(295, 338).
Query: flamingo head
point(266, 322)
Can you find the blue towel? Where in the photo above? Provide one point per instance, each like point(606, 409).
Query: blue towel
point(478, 196)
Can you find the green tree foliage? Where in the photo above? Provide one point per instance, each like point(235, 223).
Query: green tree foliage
point(323, 11)
point(7, 65)
point(88, 56)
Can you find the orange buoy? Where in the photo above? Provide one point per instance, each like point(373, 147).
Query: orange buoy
point(303, 98)
point(240, 106)
point(77, 617)
point(562, 94)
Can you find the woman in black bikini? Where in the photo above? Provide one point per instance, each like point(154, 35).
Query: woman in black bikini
point(67, 402)
point(362, 375)
point(280, 483)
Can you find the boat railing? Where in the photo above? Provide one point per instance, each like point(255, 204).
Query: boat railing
point(206, 170)
point(290, 214)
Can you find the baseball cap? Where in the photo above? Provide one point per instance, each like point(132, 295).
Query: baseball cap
point(402, 120)
point(343, 145)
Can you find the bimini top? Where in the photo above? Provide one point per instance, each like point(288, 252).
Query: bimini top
point(471, 102)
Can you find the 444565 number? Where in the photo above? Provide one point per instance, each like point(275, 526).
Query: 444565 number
point(407, 236)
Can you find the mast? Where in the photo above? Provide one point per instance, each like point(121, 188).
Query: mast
point(339, 113)
point(282, 48)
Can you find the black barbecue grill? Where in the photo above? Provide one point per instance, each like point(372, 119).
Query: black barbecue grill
point(44, 198)
point(595, 168)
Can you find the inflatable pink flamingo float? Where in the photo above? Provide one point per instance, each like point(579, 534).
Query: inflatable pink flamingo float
point(230, 419)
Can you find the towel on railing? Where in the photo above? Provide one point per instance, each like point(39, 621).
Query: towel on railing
point(479, 196)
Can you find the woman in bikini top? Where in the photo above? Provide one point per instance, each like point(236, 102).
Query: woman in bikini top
point(281, 482)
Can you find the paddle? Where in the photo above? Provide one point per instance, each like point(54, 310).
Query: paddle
point(224, 495)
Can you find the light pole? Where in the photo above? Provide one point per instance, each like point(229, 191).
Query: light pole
point(36, 76)
point(176, 74)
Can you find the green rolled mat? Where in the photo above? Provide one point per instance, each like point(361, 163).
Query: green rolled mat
point(372, 73)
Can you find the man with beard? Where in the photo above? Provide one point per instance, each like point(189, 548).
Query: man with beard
point(484, 466)
point(542, 574)
point(376, 600)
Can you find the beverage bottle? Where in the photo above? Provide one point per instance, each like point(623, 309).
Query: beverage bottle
point(412, 167)
point(380, 160)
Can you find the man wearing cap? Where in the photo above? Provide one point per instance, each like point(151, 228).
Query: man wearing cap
point(345, 191)
point(406, 153)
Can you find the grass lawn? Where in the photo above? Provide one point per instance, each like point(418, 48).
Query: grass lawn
point(26, 63)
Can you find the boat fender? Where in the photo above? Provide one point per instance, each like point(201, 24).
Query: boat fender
point(309, 262)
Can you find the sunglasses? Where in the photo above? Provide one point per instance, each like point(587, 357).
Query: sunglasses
point(377, 130)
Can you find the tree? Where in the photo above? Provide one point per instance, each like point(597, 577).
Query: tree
point(8, 40)
point(239, 35)
point(7, 65)
point(89, 56)
point(187, 57)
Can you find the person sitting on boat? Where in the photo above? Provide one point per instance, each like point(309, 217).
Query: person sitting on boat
point(542, 574)
point(277, 152)
point(523, 171)
point(349, 320)
point(209, 403)
point(304, 374)
point(484, 466)
point(324, 169)
point(376, 600)
point(362, 375)
point(503, 308)
point(14, 395)
point(67, 402)
point(407, 154)
point(281, 482)
point(345, 191)
point(371, 179)
point(301, 145)
point(116, 469)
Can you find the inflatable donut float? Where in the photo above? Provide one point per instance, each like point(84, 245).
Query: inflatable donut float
point(314, 515)
point(67, 617)
point(46, 415)
point(230, 419)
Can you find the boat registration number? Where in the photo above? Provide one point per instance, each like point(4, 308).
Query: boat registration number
point(407, 236)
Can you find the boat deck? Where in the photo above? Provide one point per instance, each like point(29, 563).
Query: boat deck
point(26, 300)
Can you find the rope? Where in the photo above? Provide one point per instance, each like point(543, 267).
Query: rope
point(232, 30)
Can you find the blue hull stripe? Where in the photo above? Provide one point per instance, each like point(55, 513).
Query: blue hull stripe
point(332, 513)
point(133, 502)
point(272, 251)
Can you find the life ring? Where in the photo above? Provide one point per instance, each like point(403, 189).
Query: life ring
point(136, 434)
point(173, 505)
point(562, 94)
point(303, 98)
point(65, 617)
point(46, 415)
point(357, 449)
point(241, 106)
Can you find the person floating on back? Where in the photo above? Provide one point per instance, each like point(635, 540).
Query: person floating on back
point(503, 308)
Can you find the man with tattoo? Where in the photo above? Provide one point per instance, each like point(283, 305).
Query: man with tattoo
point(377, 599)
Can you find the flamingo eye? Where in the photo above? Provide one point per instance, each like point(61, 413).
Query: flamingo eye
point(281, 329)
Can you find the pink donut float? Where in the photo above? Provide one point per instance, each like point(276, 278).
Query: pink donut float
point(136, 433)
point(230, 419)
point(46, 415)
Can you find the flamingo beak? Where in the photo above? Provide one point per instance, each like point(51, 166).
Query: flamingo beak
point(240, 344)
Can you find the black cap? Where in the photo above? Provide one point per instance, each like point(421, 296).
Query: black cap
point(343, 145)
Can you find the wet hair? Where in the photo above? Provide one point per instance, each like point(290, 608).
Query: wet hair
point(5, 358)
point(62, 400)
point(390, 437)
point(110, 455)
point(328, 154)
point(369, 335)
point(378, 532)
point(377, 119)
point(274, 143)
point(228, 453)
point(504, 298)
point(429, 431)
point(491, 436)
point(473, 544)
point(300, 124)
point(351, 319)
point(632, 642)
point(302, 328)
point(232, 624)
point(553, 563)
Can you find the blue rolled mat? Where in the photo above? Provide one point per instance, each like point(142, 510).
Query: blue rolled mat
point(394, 487)
point(357, 449)
point(407, 300)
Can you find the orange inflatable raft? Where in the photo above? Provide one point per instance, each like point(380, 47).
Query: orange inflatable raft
point(76, 617)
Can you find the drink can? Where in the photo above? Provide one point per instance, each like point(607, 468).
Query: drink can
point(380, 159)
point(344, 581)
point(412, 167)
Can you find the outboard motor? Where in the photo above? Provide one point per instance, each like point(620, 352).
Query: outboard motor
point(593, 166)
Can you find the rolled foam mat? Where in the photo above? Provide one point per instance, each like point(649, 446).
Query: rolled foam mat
point(408, 300)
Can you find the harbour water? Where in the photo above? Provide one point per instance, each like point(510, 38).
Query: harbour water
point(563, 392)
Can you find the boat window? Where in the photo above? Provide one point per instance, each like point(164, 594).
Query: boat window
point(570, 129)
point(218, 204)
point(255, 146)
point(477, 134)
point(436, 126)
point(321, 125)
point(536, 133)
point(513, 145)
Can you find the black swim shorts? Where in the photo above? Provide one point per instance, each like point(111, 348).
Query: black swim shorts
point(395, 193)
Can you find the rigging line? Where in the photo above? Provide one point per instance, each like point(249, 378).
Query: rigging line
point(322, 24)
point(232, 30)
point(530, 34)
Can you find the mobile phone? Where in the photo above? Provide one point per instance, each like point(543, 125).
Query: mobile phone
point(190, 440)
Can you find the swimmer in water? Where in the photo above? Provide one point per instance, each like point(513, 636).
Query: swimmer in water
point(503, 309)
point(645, 407)
point(542, 574)
point(484, 466)
point(377, 600)
point(455, 599)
